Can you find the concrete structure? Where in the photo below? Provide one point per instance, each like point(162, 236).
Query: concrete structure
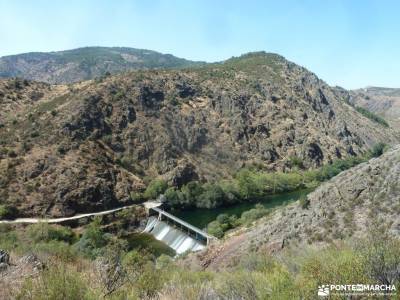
point(191, 230)
point(151, 204)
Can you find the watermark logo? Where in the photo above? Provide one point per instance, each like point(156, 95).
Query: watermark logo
point(323, 290)
point(356, 289)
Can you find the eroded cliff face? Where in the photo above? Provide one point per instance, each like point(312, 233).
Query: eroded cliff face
point(351, 205)
point(87, 146)
point(383, 101)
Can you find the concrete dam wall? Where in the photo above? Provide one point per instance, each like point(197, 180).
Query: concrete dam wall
point(174, 237)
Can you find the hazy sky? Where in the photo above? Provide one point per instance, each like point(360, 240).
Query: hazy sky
point(349, 43)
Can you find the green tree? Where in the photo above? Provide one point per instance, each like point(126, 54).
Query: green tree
point(253, 214)
point(155, 188)
point(8, 212)
point(212, 196)
point(172, 196)
point(214, 228)
point(92, 239)
point(191, 193)
point(378, 149)
point(231, 193)
point(249, 184)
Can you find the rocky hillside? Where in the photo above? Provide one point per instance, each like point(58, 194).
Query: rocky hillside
point(84, 63)
point(350, 205)
point(90, 145)
point(382, 101)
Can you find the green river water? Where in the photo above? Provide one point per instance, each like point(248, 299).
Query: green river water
point(200, 217)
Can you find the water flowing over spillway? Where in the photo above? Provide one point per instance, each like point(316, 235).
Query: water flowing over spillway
point(173, 237)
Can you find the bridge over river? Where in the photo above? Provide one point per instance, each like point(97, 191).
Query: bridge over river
point(184, 226)
point(176, 233)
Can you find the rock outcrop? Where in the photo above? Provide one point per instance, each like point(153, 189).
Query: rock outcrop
point(90, 145)
point(4, 260)
point(350, 205)
point(382, 101)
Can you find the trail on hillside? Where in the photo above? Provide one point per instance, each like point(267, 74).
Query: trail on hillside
point(60, 220)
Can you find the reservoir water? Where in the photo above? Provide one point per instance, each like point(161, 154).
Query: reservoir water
point(178, 241)
point(200, 217)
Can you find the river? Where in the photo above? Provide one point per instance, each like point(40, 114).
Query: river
point(200, 217)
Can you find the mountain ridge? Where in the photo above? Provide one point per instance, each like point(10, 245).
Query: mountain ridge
point(197, 124)
point(85, 63)
point(382, 101)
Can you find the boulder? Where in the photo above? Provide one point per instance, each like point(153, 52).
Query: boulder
point(4, 257)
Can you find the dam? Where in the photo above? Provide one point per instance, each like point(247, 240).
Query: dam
point(176, 233)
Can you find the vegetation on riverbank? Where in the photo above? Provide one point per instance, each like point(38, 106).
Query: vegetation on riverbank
point(256, 185)
point(99, 261)
point(225, 222)
point(252, 184)
point(117, 273)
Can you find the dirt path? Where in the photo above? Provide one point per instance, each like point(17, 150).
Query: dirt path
point(59, 220)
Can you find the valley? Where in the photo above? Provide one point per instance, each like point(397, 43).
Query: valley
point(205, 124)
point(199, 150)
point(281, 168)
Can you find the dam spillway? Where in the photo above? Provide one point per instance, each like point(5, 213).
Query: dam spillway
point(174, 237)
